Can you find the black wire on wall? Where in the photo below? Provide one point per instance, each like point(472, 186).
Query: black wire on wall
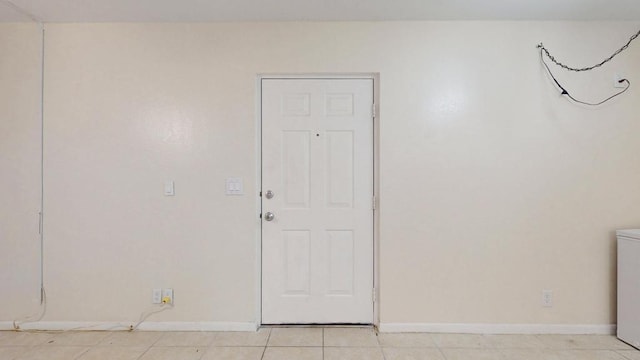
point(545, 52)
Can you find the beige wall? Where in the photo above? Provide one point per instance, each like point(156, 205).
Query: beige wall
point(492, 186)
point(20, 135)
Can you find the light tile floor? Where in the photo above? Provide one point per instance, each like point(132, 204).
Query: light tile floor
point(314, 343)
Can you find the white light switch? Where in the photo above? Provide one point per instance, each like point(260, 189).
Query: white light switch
point(234, 186)
point(169, 188)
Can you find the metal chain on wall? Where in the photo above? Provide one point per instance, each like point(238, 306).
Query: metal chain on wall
point(553, 59)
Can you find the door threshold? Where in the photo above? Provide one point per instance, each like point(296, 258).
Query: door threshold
point(321, 326)
point(331, 325)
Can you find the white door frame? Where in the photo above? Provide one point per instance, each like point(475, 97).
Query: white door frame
point(376, 180)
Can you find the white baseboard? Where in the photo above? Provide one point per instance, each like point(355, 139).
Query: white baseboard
point(570, 329)
point(146, 326)
point(384, 327)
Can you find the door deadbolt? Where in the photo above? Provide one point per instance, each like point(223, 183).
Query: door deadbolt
point(269, 194)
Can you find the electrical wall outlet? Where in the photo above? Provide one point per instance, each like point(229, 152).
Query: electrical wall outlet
point(156, 296)
point(167, 296)
point(547, 298)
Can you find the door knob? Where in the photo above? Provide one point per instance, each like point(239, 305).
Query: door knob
point(269, 216)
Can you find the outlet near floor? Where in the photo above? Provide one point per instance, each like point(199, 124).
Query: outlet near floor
point(162, 296)
point(167, 296)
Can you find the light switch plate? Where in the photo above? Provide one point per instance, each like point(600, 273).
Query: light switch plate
point(234, 186)
point(169, 188)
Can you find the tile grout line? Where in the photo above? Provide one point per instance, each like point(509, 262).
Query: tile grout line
point(83, 353)
point(149, 348)
point(438, 347)
point(264, 350)
point(213, 337)
point(197, 350)
point(208, 346)
point(377, 335)
point(492, 344)
point(266, 344)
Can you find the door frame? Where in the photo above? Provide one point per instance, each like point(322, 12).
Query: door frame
point(376, 180)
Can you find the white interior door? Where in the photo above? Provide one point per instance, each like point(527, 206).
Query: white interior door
point(317, 181)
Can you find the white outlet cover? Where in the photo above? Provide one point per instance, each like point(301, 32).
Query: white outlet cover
point(168, 293)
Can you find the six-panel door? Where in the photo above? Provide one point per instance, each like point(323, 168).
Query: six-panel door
point(317, 161)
